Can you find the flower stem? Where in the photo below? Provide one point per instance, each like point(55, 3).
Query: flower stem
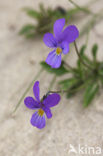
point(71, 90)
point(68, 90)
point(77, 51)
point(86, 10)
point(28, 88)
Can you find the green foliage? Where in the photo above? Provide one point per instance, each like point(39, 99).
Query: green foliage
point(32, 13)
point(94, 51)
point(45, 19)
point(28, 30)
point(90, 92)
point(59, 71)
point(67, 83)
point(82, 78)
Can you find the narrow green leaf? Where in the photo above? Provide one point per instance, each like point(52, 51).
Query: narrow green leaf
point(32, 13)
point(94, 51)
point(67, 83)
point(86, 59)
point(80, 68)
point(101, 79)
point(90, 93)
point(27, 29)
point(79, 63)
point(100, 71)
point(82, 50)
point(59, 71)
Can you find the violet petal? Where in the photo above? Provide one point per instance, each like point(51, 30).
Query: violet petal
point(53, 59)
point(49, 40)
point(58, 27)
point(31, 103)
point(47, 112)
point(70, 33)
point(38, 121)
point(65, 47)
point(51, 100)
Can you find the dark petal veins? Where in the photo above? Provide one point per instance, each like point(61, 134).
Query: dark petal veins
point(38, 121)
point(53, 60)
point(49, 40)
point(50, 56)
point(52, 100)
point(56, 62)
point(31, 103)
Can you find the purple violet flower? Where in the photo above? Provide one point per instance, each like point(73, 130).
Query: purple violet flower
point(42, 106)
point(60, 41)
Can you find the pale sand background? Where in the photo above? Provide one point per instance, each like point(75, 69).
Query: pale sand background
point(71, 123)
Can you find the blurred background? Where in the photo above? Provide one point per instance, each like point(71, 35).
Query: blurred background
point(21, 50)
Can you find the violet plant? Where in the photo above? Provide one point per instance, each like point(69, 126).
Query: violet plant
point(86, 76)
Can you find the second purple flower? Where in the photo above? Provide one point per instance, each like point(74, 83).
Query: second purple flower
point(59, 42)
point(41, 105)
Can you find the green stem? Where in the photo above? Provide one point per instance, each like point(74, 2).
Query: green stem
point(68, 90)
point(28, 88)
point(83, 84)
point(81, 8)
point(77, 51)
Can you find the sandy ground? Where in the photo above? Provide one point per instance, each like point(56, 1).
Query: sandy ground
point(71, 123)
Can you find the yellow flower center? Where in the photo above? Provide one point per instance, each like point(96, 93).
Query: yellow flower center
point(40, 112)
point(58, 51)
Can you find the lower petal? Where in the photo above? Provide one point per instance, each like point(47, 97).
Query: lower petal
point(56, 62)
point(38, 121)
point(47, 112)
point(50, 57)
point(53, 59)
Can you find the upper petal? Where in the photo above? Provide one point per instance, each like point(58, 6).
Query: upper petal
point(53, 59)
point(49, 40)
point(65, 47)
point(47, 112)
point(52, 100)
point(31, 103)
point(36, 90)
point(70, 33)
point(58, 27)
point(38, 121)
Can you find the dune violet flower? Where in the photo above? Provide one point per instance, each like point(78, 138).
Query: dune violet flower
point(42, 106)
point(59, 42)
